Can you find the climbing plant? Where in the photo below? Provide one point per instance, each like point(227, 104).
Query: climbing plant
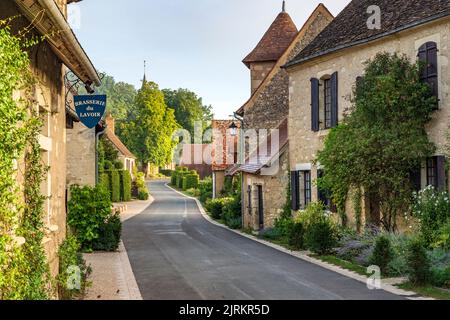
point(24, 271)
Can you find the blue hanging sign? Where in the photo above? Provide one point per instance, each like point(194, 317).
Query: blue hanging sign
point(90, 109)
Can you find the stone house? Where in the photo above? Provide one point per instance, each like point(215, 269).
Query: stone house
point(266, 175)
point(225, 150)
point(50, 60)
point(125, 156)
point(323, 74)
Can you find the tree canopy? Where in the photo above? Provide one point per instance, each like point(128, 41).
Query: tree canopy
point(188, 108)
point(382, 139)
point(149, 127)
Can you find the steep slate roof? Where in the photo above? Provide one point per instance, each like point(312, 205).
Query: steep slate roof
point(349, 28)
point(275, 41)
point(321, 9)
point(119, 144)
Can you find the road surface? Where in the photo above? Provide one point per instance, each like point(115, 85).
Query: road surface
point(178, 255)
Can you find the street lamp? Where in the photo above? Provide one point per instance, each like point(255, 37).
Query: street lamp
point(233, 129)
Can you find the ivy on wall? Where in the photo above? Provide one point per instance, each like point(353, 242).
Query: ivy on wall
point(24, 271)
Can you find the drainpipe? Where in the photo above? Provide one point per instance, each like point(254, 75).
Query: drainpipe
point(97, 139)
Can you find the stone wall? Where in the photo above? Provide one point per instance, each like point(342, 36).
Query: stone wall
point(274, 195)
point(304, 144)
point(81, 155)
point(49, 100)
point(258, 72)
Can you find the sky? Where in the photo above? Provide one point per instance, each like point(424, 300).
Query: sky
point(193, 44)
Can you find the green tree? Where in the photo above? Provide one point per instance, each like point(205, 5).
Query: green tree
point(188, 108)
point(150, 127)
point(382, 139)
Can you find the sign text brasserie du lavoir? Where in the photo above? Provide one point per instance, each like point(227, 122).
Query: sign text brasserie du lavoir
point(90, 109)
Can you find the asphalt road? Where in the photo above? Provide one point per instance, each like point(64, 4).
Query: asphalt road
point(178, 255)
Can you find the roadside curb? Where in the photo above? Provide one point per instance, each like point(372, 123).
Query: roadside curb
point(127, 280)
point(350, 274)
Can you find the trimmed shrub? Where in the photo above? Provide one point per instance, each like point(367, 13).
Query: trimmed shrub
point(110, 233)
point(115, 186)
point(89, 208)
point(125, 185)
point(232, 212)
point(418, 263)
point(191, 180)
point(382, 254)
point(215, 208)
point(174, 177)
point(70, 256)
point(167, 173)
point(143, 194)
point(206, 189)
point(108, 165)
point(180, 176)
point(105, 181)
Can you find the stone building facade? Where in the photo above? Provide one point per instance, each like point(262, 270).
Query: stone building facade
point(335, 52)
point(49, 62)
point(264, 194)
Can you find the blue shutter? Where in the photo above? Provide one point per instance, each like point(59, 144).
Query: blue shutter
point(334, 100)
point(315, 105)
point(295, 190)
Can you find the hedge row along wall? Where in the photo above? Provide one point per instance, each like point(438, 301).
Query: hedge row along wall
point(118, 182)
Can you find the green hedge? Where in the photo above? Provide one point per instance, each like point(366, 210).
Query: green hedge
point(191, 180)
point(125, 185)
point(114, 185)
point(105, 181)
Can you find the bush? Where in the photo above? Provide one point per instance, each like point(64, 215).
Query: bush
point(110, 233)
point(440, 270)
point(180, 176)
point(143, 194)
point(191, 180)
point(206, 189)
point(193, 192)
point(296, 235)
point(418, 263)
point(432, 209)
point(69, 257)
point(118, 165)
point(215, 208)
point(114, 185)
point(108, 165)
point(125, 185)
point(382, 254)
point(167, 173)
point(89, 208)
point(232, 212)
point(105, 181)
point(442, 239)
point(320, 234)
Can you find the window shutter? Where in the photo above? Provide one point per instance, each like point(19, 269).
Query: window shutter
point(416, 179)
point(428, 55)
point(334, 100)
point(441, 173)
point(295, 190)
point(315, 104)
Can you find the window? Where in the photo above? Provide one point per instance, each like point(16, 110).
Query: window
point(428, 55)
point(324, 102)
point(305, 189)
point(432, 172)
point(327, 103)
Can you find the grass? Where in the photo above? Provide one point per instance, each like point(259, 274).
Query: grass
point(427, 291)
point(343, 264)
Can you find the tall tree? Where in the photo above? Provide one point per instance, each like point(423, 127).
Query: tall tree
point(150, 126)
point(382, 140)
point(188, 108)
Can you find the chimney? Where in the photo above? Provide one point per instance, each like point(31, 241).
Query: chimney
point(110, 123)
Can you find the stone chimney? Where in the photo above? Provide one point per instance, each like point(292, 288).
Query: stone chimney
point(110, 123)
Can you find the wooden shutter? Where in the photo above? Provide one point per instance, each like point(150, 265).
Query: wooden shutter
point(428, 55)
point(441, 173)
point(315, 105)
point(334, 100)
point(295, 190)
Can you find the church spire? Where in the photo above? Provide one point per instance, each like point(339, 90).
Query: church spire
point(284, 6)
point(144, 80)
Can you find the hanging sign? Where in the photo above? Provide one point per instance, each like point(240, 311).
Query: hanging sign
point(90, 109)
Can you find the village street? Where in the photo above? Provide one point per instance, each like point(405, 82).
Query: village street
point(177, 254)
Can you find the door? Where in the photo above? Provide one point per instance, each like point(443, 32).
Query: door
point(260, 207)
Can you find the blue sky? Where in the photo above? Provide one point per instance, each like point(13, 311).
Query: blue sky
point(193, 44)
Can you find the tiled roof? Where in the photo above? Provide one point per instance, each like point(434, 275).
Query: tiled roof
point(119, 144)
point(275, 41)
point(350, 28)
point(256, 161)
